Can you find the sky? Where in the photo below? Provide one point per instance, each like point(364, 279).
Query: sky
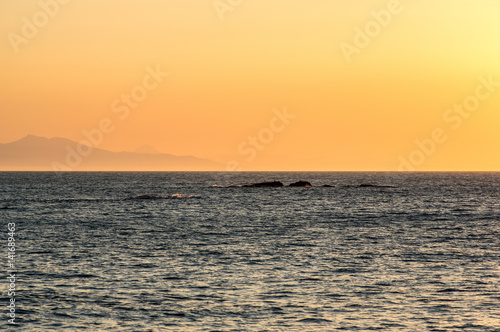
point(320, 85)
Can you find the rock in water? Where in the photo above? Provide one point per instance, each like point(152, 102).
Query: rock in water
point(274, 184)
point(367, 185)
point(301, 184)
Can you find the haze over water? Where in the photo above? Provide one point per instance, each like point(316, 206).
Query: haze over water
point(413, 252)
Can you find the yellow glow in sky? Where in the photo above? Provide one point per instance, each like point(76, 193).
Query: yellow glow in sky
point(366, 83)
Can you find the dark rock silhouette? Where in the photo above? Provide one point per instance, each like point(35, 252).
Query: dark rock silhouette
point(365, 185)
point(301, 184)
point(274, 184)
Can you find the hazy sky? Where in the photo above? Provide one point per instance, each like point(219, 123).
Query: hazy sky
point(363, 79)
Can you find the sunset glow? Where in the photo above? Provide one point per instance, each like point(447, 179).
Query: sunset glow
point(365, 84)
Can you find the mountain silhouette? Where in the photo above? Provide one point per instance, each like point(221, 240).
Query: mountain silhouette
point(147, 149)
point(34, 153)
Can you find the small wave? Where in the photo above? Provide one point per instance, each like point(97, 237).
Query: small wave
point(230, 186)
point(451, 290)
point(64, 315)
point(315, 320)
point(174, 196)
point(368, 185)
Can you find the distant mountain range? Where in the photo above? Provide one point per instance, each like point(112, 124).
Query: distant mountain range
point(34, 153)
point(147, 149)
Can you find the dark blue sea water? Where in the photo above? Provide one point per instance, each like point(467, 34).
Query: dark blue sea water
point(414, 252)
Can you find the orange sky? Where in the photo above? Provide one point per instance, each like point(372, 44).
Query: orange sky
point(227, 77)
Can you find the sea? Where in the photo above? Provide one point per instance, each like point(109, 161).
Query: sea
point(373, 252)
